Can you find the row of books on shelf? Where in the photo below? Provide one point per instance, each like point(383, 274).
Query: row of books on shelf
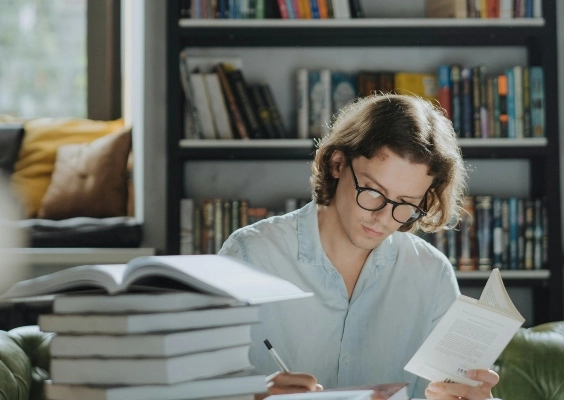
point(219, 104)
point(504, 9)
point(505, 233)
point(261, 9)
point(482, 105)
point(494, 232)
point(206, 224)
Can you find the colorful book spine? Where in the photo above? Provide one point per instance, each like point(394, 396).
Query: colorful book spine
point(513, 233)
point(476, 99)
point(537, 101)
point(511, 116)
point(314, 9)
point(518, 99)
point(444, 94)
point(456, 106)
point(503, 117)
point(497, 233)
point(467, 104)
point(527, 102)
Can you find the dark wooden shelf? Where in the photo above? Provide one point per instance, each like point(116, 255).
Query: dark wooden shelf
point(360, 32)
point(304, 149)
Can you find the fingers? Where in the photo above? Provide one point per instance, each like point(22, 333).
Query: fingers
point(289, 382)
point(452, 391)
point(488, 378)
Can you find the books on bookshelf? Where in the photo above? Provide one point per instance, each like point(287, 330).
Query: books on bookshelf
point(220, 104)
point(116, 339)
point(483, 105)
point(206, 224)
point(503, 9)
point(494, 232)
point(261, 9)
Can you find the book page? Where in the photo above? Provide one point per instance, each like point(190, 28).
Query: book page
point(214, 274)
point(83, 277)
point(495, 295)
point(469, 336)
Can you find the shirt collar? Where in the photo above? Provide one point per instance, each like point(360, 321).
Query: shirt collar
point(311, 252)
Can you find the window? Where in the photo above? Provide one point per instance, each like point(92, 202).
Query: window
point(43, 58)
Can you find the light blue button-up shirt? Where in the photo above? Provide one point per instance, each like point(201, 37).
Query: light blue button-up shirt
point(404, 288)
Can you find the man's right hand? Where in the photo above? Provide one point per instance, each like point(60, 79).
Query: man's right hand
point(290, 382)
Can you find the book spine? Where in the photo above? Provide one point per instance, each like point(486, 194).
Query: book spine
point(207, 241)
point(505, 9)
point(503, 117)
point(356, 9)
point(243, 212)
point(456, 106)
point(218, 107)
point(521, 234)
point(467, 237)
point(527, 103)
point(341, 9)
point(537, 9)
point(343, 90)
point(529, 234)
point(226, 220)
point(260, 12)
point(290, 8)
point(283, 9)
point(537, 101)
point(385, 82)
point(235, 215)
point(445, 89)
point(490, 106)
point(261, 109)
point(505, 227)
point(476, 97)
point(274, 111)
point(467, 104)
point(518, 86)
point(323, 9)
point(484, 232)
point(497, 233)
point(237, 81)
point(192, 124)
point(217, 224)
point(235, 113)
point(496, 107)
point(187, 226)
point(202, 101)
point(484, 104)
point(538, 234)
point(511, 118)
point(513, 233)
point(314, 9)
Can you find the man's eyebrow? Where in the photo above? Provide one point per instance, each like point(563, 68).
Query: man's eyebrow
point(384, 190)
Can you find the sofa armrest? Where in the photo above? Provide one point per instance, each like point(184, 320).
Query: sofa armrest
point(532, 365)
point(24, 363)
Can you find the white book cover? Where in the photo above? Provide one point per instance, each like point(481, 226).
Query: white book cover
point(234, 384)
point(166, 344)
point(341, 9)
point(219, 109)
point(202, 104)
point(122, 324)
point(518, 76)
point(471, 335)
point(302, 101)
point(149, 371)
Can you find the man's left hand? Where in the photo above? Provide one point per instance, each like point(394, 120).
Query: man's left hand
point(457, 391)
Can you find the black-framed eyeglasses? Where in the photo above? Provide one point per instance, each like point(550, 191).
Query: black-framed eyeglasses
point(373, 200)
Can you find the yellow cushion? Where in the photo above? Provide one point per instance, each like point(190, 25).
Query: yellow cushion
point(36, 161)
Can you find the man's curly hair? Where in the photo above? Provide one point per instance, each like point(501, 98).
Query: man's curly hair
point(412, 128)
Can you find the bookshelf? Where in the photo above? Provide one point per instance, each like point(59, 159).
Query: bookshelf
point(273, 49)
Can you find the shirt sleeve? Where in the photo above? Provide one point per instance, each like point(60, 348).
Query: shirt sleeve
point(447, 293)
point(234, 247)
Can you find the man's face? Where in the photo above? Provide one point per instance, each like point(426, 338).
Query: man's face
point(398, 179)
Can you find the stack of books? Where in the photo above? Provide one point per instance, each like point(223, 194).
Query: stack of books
point(148, 336)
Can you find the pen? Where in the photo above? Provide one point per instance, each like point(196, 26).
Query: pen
point(276, 357)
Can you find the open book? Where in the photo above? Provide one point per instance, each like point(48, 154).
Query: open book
point(471, 335)
point(211, 274)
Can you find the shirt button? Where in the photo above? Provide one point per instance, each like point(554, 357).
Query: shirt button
point(346, 359)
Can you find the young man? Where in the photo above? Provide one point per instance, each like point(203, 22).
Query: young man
point(391, 164)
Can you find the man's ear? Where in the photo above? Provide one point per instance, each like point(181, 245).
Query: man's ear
point(338, 163)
